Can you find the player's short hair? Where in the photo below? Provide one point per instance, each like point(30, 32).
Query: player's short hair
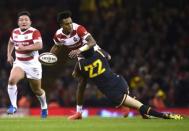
point(27, 13)
point(63, 15)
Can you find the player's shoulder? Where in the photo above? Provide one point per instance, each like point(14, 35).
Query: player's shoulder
point(59, 31)
point(33, 29)
point(16, 31)
point(76, 26)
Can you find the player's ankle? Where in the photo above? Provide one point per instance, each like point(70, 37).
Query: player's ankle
point(143, 110)
point(79, 108)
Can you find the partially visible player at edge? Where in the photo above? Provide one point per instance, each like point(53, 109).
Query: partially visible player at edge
point(75, 38)
point(26, 41)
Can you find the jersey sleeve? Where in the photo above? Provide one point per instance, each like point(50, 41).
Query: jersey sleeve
point(82, 32)
point(11, 37)
point(37, 36)
point(56, 39)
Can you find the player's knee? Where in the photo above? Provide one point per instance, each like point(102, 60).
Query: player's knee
point(12, 81)
point(144, 109)
point(38, 91)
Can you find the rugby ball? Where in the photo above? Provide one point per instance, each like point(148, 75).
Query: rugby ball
point(47, 58)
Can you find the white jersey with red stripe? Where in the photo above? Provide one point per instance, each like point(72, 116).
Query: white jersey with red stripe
point(74, 40)
point(27, 60)
point(26, 38)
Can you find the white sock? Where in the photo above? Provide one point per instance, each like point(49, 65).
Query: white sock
point(42, 100)
point(12, 91)
point(79, 108)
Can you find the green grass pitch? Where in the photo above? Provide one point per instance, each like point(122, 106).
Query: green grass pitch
point(92, 124)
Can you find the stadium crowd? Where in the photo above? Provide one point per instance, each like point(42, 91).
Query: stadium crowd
point(148, 42)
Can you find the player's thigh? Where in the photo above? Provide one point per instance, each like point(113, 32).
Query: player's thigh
point(116, 92)
point(16, 74)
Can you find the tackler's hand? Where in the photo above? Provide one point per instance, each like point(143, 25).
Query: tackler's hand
point(74, 53)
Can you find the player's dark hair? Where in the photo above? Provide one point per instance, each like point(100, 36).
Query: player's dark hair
point(24, 13)
point(63, 15)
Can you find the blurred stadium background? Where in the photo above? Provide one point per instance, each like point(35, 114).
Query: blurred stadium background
point(148, 41)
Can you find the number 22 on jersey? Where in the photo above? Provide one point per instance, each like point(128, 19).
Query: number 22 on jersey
point(96, 64)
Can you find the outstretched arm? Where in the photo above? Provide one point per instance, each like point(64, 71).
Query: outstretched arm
point(61, 52)
point(90, 43)
point(55, 49)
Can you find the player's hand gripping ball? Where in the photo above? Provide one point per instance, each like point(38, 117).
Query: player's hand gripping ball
point(48, 58)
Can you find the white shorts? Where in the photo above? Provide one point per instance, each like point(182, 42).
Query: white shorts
point(32, 68)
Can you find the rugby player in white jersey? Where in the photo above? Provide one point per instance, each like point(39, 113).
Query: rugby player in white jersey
point(75, 38)
point(26, 41)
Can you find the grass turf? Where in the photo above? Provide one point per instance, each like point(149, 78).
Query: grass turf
point(92, 124)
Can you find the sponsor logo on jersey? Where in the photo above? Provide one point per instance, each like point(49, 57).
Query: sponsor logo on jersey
point(25, 37)
point(23, 43)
